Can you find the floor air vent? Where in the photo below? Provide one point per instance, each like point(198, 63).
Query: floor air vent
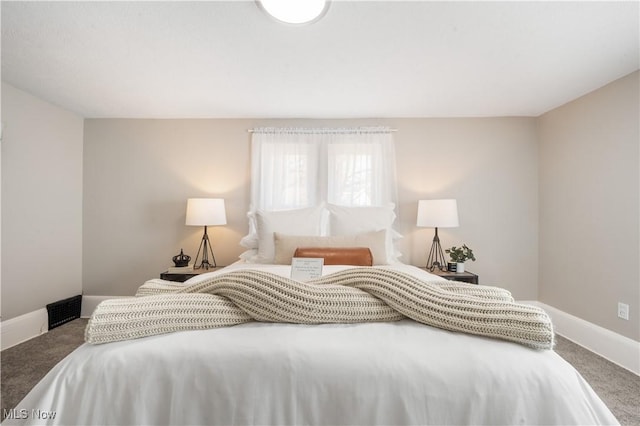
point(64, 311)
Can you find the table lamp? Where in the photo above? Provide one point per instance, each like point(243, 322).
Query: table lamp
point(205, 212)
point(437, 214)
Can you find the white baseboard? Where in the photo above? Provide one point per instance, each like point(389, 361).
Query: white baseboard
point(20, 329)
point(25, 327)
point(612, 346)
point(89, 304)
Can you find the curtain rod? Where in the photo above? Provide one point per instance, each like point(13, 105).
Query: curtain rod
point(328, 130)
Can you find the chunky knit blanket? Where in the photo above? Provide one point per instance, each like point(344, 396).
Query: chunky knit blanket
point(350, 296)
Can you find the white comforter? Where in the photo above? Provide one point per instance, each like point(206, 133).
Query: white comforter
point(276, 374)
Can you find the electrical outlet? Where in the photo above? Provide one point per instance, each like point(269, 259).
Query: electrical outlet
point(623, 311)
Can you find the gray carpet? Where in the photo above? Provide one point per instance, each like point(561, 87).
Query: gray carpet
point(617, 387)
point(25, 364)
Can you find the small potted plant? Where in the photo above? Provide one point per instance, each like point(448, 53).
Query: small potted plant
point(459, 255)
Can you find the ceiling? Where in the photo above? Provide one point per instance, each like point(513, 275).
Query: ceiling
point(214, 59)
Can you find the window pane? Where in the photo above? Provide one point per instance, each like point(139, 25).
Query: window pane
point(294, 192)
point(287, 176)
point(351, 177)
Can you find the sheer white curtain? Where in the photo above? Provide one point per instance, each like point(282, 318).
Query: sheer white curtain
point(297, 168)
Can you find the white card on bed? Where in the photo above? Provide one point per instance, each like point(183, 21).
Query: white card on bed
point(306, 268)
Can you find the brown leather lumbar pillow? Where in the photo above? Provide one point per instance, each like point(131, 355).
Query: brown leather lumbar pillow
point(356, 256)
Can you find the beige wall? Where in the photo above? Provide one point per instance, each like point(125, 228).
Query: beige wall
point(41, 203)
point(139, 173)
point(589, 206)
point(515, 179)
point(490, 166)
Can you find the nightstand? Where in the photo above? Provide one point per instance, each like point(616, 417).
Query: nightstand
point(466, 276)
point(183, 276)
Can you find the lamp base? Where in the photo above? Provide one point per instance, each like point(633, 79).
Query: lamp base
point(435, 260)
point(205, 247)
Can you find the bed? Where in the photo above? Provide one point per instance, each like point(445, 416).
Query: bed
point(246, 345)
point(263, 373)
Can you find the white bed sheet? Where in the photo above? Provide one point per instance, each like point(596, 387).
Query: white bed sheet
point(263, 373)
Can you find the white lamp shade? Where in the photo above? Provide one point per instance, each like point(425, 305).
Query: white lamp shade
point(206, 212)
point(437, 213)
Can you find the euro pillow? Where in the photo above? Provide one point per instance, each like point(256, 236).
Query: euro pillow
point(355, 256)
point(251, 241)
point(345, 220)
point(286, 245)
point(293, 222)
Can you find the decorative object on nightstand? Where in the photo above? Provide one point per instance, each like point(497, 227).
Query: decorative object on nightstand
point(437, 214)
point(459, 255)
point(181, 264)
point(205, 212)
point(181, 260)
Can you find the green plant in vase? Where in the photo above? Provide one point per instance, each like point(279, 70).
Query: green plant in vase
point(459, 255)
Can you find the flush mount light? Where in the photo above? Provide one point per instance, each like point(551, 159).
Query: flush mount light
point(295, 11)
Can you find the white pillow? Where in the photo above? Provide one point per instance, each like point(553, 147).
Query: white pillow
point(286, 245)
point(356, 220)
point(293, 222)
point(249, 256)
point(250, 240)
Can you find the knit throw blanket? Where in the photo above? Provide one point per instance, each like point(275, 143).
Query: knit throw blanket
point(350, 296)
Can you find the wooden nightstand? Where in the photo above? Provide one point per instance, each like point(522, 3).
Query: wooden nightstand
point(182, 276)
point(466, 276)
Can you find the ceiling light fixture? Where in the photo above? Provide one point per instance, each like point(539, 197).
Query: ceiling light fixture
point(296, 12)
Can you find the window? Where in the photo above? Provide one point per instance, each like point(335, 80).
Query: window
point(297, 168)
